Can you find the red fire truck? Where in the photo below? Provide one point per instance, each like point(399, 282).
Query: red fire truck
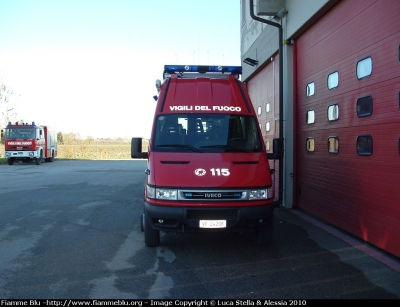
point(29, 142)
point(207, 165)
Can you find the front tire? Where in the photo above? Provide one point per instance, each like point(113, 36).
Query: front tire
point(10, 161)
point(39, 160)
point(151, 236)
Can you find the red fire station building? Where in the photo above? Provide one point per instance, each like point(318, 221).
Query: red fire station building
point(325, 76)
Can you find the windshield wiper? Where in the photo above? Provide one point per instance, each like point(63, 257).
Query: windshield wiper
point(225, 147)
point(190, 147)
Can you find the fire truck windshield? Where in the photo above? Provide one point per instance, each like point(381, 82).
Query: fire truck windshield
point(206, 133)
point(19, 133)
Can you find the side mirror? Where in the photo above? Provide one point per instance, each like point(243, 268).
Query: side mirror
point(136, 149)
point(2, 133)
point(277, 151)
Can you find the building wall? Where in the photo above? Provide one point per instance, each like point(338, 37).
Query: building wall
point(264, 90)
point(356, 193)
point(302, 14)
point(259, 41)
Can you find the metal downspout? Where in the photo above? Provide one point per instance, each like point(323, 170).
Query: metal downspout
point(277, 25)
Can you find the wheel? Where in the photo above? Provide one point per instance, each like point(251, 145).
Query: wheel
point(51, 159)
point(151, 236)
point(39, 160)
point(10, 161)
point(265, 232)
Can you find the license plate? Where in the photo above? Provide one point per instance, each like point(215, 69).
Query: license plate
point(212, 223)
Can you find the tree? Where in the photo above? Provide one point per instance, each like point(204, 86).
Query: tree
point(6, 108)
point(60, 138)
point(89, 140)
point(71, 138)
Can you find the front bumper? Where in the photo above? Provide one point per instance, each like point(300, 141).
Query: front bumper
point(20, 154)
point(187, 219)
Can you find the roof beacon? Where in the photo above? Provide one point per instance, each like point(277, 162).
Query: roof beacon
point(181, 69)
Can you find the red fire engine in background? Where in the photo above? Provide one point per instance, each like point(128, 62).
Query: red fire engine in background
point(29, 142)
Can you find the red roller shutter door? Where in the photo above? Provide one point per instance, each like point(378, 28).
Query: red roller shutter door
point(358, 193)
point(263, 89)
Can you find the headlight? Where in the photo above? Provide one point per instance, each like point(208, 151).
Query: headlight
point(166, 194)
point(8, 154)
point(261, 194)
point(31, 154)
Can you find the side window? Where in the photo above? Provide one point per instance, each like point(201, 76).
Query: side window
point(310, 89)
point(364, 68)
point(333, 144)
point(310, 117)
point(310, 145)
point(333, 80)
point(364, 106)
point(364, 145)
point(333, 112)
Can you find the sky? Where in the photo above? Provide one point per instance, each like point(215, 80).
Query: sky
point(89, 66)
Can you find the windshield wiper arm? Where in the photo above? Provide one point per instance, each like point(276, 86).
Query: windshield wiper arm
point(224, 147)
point(190, 147)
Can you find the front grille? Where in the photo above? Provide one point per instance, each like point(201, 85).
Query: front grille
point(19, 148)
point(212, 214)
point(212, 195)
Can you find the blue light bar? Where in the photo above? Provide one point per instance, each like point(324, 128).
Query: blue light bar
point(172, 69)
